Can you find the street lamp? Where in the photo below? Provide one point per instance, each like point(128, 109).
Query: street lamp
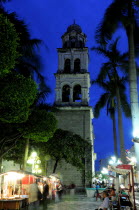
point(114, 161)
point(104, 171)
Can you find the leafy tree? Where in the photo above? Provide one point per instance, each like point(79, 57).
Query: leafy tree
point(40, 126)
point(16, 153)
point(114, 96)
point(124, 13)
point(17, 94)
point(16, 101)
point(9, 43)
point(9, 135)
point(66, 145)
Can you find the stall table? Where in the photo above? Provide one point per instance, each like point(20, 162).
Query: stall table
point(13, 204)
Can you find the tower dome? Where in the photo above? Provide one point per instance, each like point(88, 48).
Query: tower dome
point(74, 27)
point(74, 37)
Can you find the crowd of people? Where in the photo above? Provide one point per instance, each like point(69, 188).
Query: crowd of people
point(39, 191)
point(53, 190)
point(110, 196)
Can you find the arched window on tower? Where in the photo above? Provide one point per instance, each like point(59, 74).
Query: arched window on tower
point(77, 65)
point(77, 97)
point(67, 66)
point(66, 93)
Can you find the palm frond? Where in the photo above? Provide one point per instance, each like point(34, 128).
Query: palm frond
point(110, 22)
point(104, 70)
point(113, 45)
point(30, 46)
point(101, 50)
point(100, 104)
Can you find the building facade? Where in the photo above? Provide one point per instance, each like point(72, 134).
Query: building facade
point(72, 100)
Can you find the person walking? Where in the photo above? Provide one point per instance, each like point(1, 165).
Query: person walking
point(34, 196)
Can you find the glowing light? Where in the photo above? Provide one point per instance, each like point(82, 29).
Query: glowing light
point(30, 161)
point(34, 161)
point(36, 166)
point(14, 176)
point(104, 171)
point(136, 133)
point(34, 154)
point(119, 161)
point(111, 162)
point(133, 159)
point(113, 158)
point(122, 186)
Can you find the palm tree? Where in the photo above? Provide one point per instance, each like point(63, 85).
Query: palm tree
point(125, 13)
point(29, 61)
point(109, 80)
point(106, 99)
point(114, 98)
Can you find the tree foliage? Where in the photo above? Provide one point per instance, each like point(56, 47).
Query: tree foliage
point(9, 42)
point(16, 153)
point(17, 94)
point(68, 146)
point(40, 126)
point(108, 78)
point(120, 13)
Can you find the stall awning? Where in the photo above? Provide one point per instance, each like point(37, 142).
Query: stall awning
point(120, 169)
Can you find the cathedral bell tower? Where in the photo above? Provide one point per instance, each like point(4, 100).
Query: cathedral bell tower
point(72, 78)
point(72, 99)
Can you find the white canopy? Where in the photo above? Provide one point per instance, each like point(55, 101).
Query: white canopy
point(119, 170)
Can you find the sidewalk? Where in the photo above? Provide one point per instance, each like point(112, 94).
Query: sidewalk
point(76, 202)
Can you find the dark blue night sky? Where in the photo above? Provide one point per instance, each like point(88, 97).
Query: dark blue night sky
point(48, 20)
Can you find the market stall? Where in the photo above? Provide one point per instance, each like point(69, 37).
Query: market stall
point(14, 186)
point(127, 171)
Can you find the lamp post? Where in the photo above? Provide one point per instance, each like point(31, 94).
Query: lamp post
point(136, 146)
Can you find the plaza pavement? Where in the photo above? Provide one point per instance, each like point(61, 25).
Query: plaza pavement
point(76, 202)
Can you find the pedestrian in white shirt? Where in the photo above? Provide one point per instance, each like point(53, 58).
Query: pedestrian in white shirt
point(105, 203)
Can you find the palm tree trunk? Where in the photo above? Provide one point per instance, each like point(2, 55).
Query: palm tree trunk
point(26, 154)
point(114, 135)
point(133, 87)
point(120, 126)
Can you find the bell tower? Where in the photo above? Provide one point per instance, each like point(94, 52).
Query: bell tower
point(72, 99)
point(72, 77)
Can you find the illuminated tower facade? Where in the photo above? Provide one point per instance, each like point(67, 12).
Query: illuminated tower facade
point(72, 99)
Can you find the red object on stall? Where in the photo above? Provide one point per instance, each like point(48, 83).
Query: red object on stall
point(124, 166)
point(29, 179)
